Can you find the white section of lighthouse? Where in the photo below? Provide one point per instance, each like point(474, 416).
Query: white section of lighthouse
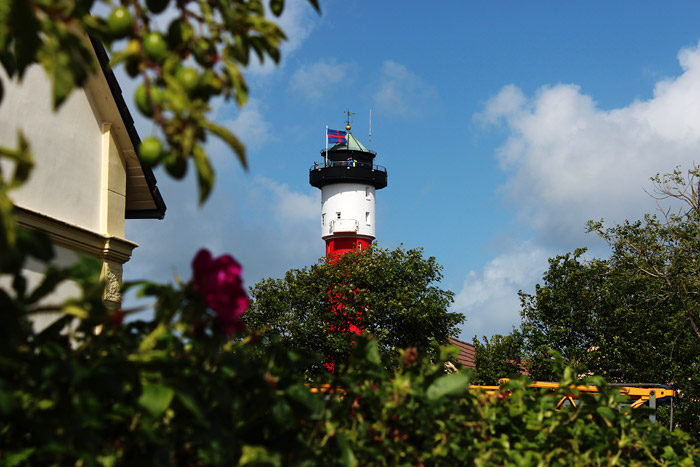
point(348, 201)
point(348, 180)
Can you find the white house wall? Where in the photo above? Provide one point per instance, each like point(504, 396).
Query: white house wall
point(67, 147)
point(77, 190)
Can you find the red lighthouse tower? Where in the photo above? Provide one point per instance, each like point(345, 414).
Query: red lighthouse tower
point(348, 179)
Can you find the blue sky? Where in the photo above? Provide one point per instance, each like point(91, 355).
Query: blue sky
point(504, 127)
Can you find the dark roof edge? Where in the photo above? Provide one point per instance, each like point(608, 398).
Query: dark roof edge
point(103, 58)
point(143, 214)
point(460, 341)
point(342, 147)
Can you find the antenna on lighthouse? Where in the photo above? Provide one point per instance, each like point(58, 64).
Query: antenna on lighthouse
point(369, 143)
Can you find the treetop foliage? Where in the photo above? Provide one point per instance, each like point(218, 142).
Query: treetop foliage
point(392, 295)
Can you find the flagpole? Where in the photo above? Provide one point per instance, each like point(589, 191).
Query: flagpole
point(326, 161)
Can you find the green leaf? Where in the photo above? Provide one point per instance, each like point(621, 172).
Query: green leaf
point(240, 88)
point(45, 404)
point(8, 228)
point(316, 5)
point(258, 45)
point(230, 139)
point(8, 62)
point(347, 457)
point(56, 61)
point(76, 311)
point(25, 30)
point(8, 401)
point(188, 401)
point(55, 328)
point(124, 55)
point(18, 457)
point(63, 84)
point(149, 342)
point(283, 414)
point(373, 352)
point(277, 6)
point(67, 61)
point(52, 277)
point(448, 384)
point(300, 393)
point(156, 398)
point(36, 244)
point(86, 270)
point(148, 356)
point(5, 8)
point(22, 158)
point(205, 173)
point(606, 412)
point(259, 456)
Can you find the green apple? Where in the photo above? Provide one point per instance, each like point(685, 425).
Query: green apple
point(150, 151)
point(120, 23)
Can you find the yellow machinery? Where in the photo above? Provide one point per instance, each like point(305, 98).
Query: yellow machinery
point(638, 394)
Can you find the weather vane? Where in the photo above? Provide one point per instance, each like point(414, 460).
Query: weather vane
point(348, 113)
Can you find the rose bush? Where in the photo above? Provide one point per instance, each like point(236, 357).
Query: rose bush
point(219, 282)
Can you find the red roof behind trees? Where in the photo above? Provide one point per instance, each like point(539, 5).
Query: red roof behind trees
point(466, 353)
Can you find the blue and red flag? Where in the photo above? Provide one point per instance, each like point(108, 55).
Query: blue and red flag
point(335, 136)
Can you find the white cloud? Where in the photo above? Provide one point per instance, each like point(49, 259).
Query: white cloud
point(286, 204)
point(569, 161)
point(317, 80)
point(297, 22)
point(509, 101)
point(402, 92)
point(489, 297)
point(250, 124)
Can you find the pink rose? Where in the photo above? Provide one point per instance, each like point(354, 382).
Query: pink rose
point(219, 281)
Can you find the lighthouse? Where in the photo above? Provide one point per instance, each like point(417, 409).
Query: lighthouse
point(348, 180)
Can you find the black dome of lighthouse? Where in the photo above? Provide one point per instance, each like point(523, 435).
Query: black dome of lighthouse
point(348, 162)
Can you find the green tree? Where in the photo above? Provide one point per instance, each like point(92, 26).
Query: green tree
point(631, 317)
point(609, 320)
point(391, 294)
point(666, 248)
point(567, 312)
point(498, 357)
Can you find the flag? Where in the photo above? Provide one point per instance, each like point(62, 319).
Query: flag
point(335, 136)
